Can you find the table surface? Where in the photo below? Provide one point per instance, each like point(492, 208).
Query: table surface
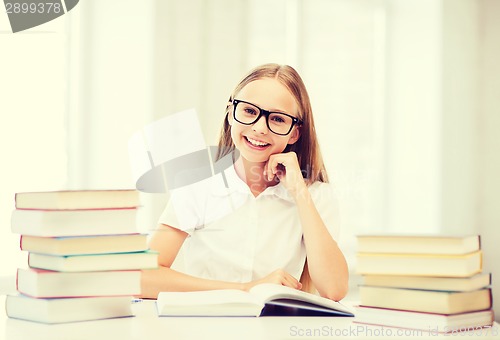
point(147, 325)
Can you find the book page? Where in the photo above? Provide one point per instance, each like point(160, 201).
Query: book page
point(268, 292)
point(215, 302)
point(209, 297)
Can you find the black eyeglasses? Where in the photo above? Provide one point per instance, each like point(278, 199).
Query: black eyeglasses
point(277, 122)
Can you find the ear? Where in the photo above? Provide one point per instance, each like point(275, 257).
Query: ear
point(294, 135)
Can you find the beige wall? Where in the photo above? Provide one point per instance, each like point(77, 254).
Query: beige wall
point(470, 126)
point(488, 146)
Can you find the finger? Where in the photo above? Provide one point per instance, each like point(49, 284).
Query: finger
point(294, 280)
point(285, 282)
point(291, 281)
point(277, 164)
point(270, 168)
point(280, 171)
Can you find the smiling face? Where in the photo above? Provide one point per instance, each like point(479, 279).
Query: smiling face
point(256, 143)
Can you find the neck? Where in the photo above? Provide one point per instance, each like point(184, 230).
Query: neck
point(253, 175)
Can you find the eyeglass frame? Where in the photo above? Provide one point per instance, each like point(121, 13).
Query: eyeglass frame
point(266, 113)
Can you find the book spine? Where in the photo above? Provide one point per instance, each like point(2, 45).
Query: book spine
point(80, 209)
point(17, 279)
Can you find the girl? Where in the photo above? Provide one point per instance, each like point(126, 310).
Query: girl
point(270, 216)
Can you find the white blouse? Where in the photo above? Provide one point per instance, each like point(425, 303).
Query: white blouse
point(234, 236)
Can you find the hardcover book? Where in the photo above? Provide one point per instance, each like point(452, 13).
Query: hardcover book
point(420, 264)
point(418, 244)
point(94, 262)
point(53, 311)
point(428, 301)
point(74, 222)
point(465, 284)
point(50, 284)
point(78, 199)
point(430, 322)
point(80, 245)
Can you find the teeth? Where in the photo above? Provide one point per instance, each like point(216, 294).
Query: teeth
point(256, 142)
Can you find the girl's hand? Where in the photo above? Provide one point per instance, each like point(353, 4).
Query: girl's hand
point(286, 167)
point(279, 277)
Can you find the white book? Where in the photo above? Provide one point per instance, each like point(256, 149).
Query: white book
point(463, 284)
point(74, 222)
point(94, 262)
point(49, 284)
point(427, 301)
point(78, 199)
point(418, 244)
point(420, 264)
point(52, 311)
point(80, 245)
point(429, 322)
point(262, 300)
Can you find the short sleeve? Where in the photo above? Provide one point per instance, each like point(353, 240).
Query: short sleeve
point(327, 204)
point(181, 211)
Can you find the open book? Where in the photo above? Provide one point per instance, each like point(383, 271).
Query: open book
point(262, 300)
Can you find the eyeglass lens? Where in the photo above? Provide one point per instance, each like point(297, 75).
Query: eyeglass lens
point(278, 123)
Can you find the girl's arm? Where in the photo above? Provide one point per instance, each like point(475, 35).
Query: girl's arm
point(326, 263)
point(167, 241)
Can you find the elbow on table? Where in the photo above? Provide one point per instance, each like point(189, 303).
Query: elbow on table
point(336, 293)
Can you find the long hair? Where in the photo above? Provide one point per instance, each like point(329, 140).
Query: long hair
point(306, 147)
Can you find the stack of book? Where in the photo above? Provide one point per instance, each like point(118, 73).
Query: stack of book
point(84, 255)
point(429, 283)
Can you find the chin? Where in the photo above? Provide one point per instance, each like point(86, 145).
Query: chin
point(254, 158)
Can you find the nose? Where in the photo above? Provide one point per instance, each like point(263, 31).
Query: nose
point(260, 126)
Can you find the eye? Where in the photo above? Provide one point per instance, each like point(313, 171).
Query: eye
point(250, 110)
point(277, 119)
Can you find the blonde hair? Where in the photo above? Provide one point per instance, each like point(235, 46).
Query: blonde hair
point(306, 148)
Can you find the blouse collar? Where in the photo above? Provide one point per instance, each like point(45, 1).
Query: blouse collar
point(227, 182)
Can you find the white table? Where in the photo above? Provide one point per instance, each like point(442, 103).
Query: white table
point(147, 325)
